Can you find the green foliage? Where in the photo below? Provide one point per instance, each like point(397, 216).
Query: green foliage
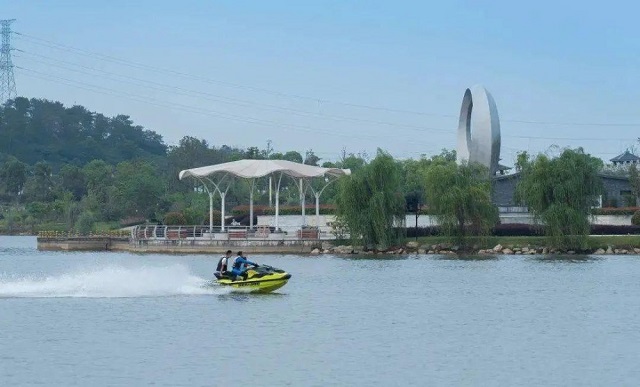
point(560, 192)
point(310, 158)
point(174, 219)
point(73, 180)
point(85, 223)
point(36, 129)
point(137, 189)
point(635, 219)
point(370, 203)
point(294, 156)
point(629, 200)
point(614, 211)
point(460, 198)
point(39, 186)
point(13, 176)
point(634, 180)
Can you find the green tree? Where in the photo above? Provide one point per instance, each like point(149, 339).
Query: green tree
point(99, 178)
point(370, 203)
point(85, 223)
point(294, 156)
point(73, 180)
point(137, 189)
point(13, 176)
point(39, 186)
point(310, 158)
point(560, 192)
point(634, 181)
point(460, 197)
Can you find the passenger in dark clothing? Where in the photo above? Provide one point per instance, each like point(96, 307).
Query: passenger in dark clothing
point(223, 263)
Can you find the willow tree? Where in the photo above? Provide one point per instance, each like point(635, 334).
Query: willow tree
point(459, 196)
point(370, 203)
point(560, 192)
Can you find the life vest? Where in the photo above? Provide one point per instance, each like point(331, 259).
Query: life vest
point(222, 264)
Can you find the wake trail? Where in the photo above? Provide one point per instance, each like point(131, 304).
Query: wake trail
point(111, 281)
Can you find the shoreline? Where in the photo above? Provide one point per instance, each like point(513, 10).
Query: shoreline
point(315, 247)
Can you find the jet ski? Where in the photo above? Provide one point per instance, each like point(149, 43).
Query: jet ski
point(258, 279)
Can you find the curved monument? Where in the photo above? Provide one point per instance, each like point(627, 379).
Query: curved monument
point(479, 129)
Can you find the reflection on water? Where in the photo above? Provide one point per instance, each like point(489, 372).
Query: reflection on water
point(467, 257)
point(504, 320)
point(563, 258)
point(244, 297)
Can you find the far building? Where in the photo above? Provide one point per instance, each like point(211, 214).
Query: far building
point(625, 159)
point(479, 141)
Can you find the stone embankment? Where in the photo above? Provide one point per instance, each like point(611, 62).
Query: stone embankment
point(446, 248)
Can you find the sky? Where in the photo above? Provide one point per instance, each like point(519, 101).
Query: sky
point(340, 75)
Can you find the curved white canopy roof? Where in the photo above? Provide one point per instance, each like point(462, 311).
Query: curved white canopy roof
point(258, 168)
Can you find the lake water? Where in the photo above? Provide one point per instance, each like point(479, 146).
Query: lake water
point(98, 319)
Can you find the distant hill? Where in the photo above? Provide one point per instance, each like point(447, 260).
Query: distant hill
point(35, 130)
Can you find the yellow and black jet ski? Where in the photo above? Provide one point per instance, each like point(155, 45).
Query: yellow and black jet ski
point(258, 279)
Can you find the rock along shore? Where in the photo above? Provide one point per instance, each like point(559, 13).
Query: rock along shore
point(447, 248)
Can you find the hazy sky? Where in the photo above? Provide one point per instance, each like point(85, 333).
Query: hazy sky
point(329, 75)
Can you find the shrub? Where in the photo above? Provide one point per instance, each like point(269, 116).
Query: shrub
point(193, 215)
point(132, 221)
point(174, 219)
point(635, 219)
point(615, 211)
point(629, 200)
point(85, 222)
point(216, 218)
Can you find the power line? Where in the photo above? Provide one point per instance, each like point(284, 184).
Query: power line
point(67, 48)
point(187, 108)
point(214, 97)
point(178, 90)
point(258, 121)
point(7, 79)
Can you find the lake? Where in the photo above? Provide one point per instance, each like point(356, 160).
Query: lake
point(119, 319)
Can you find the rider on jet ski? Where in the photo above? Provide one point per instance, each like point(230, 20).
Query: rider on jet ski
point(223, 263)
point(240, 266)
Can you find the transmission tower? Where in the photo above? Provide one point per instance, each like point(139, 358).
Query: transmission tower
point(7, 80)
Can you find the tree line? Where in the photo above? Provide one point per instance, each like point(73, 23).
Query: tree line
point(71, 168)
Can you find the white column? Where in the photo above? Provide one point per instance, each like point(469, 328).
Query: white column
point(318, 210)
point(278, 201)
point(270, 193)
point(222, 195)
point(251, 207)
point(302, 201)
point(277, 208)
point(210, 212)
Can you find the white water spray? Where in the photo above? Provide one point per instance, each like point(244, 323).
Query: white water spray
point(111, 281)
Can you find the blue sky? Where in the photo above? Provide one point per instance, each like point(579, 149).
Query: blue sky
point(329, 75)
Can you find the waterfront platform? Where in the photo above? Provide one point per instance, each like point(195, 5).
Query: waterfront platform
point(190, 240)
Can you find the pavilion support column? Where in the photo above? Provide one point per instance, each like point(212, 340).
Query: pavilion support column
point(277, 208)
point(222, 195)
point(270, 193)
point(210, 212)
point(251, 207)
point(302, 204)
point(317, 195)
point(278, 201)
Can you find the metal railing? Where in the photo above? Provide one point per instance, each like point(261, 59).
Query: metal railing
point(161, 232)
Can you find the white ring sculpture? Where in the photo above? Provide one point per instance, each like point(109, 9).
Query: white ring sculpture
point(479, 129)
